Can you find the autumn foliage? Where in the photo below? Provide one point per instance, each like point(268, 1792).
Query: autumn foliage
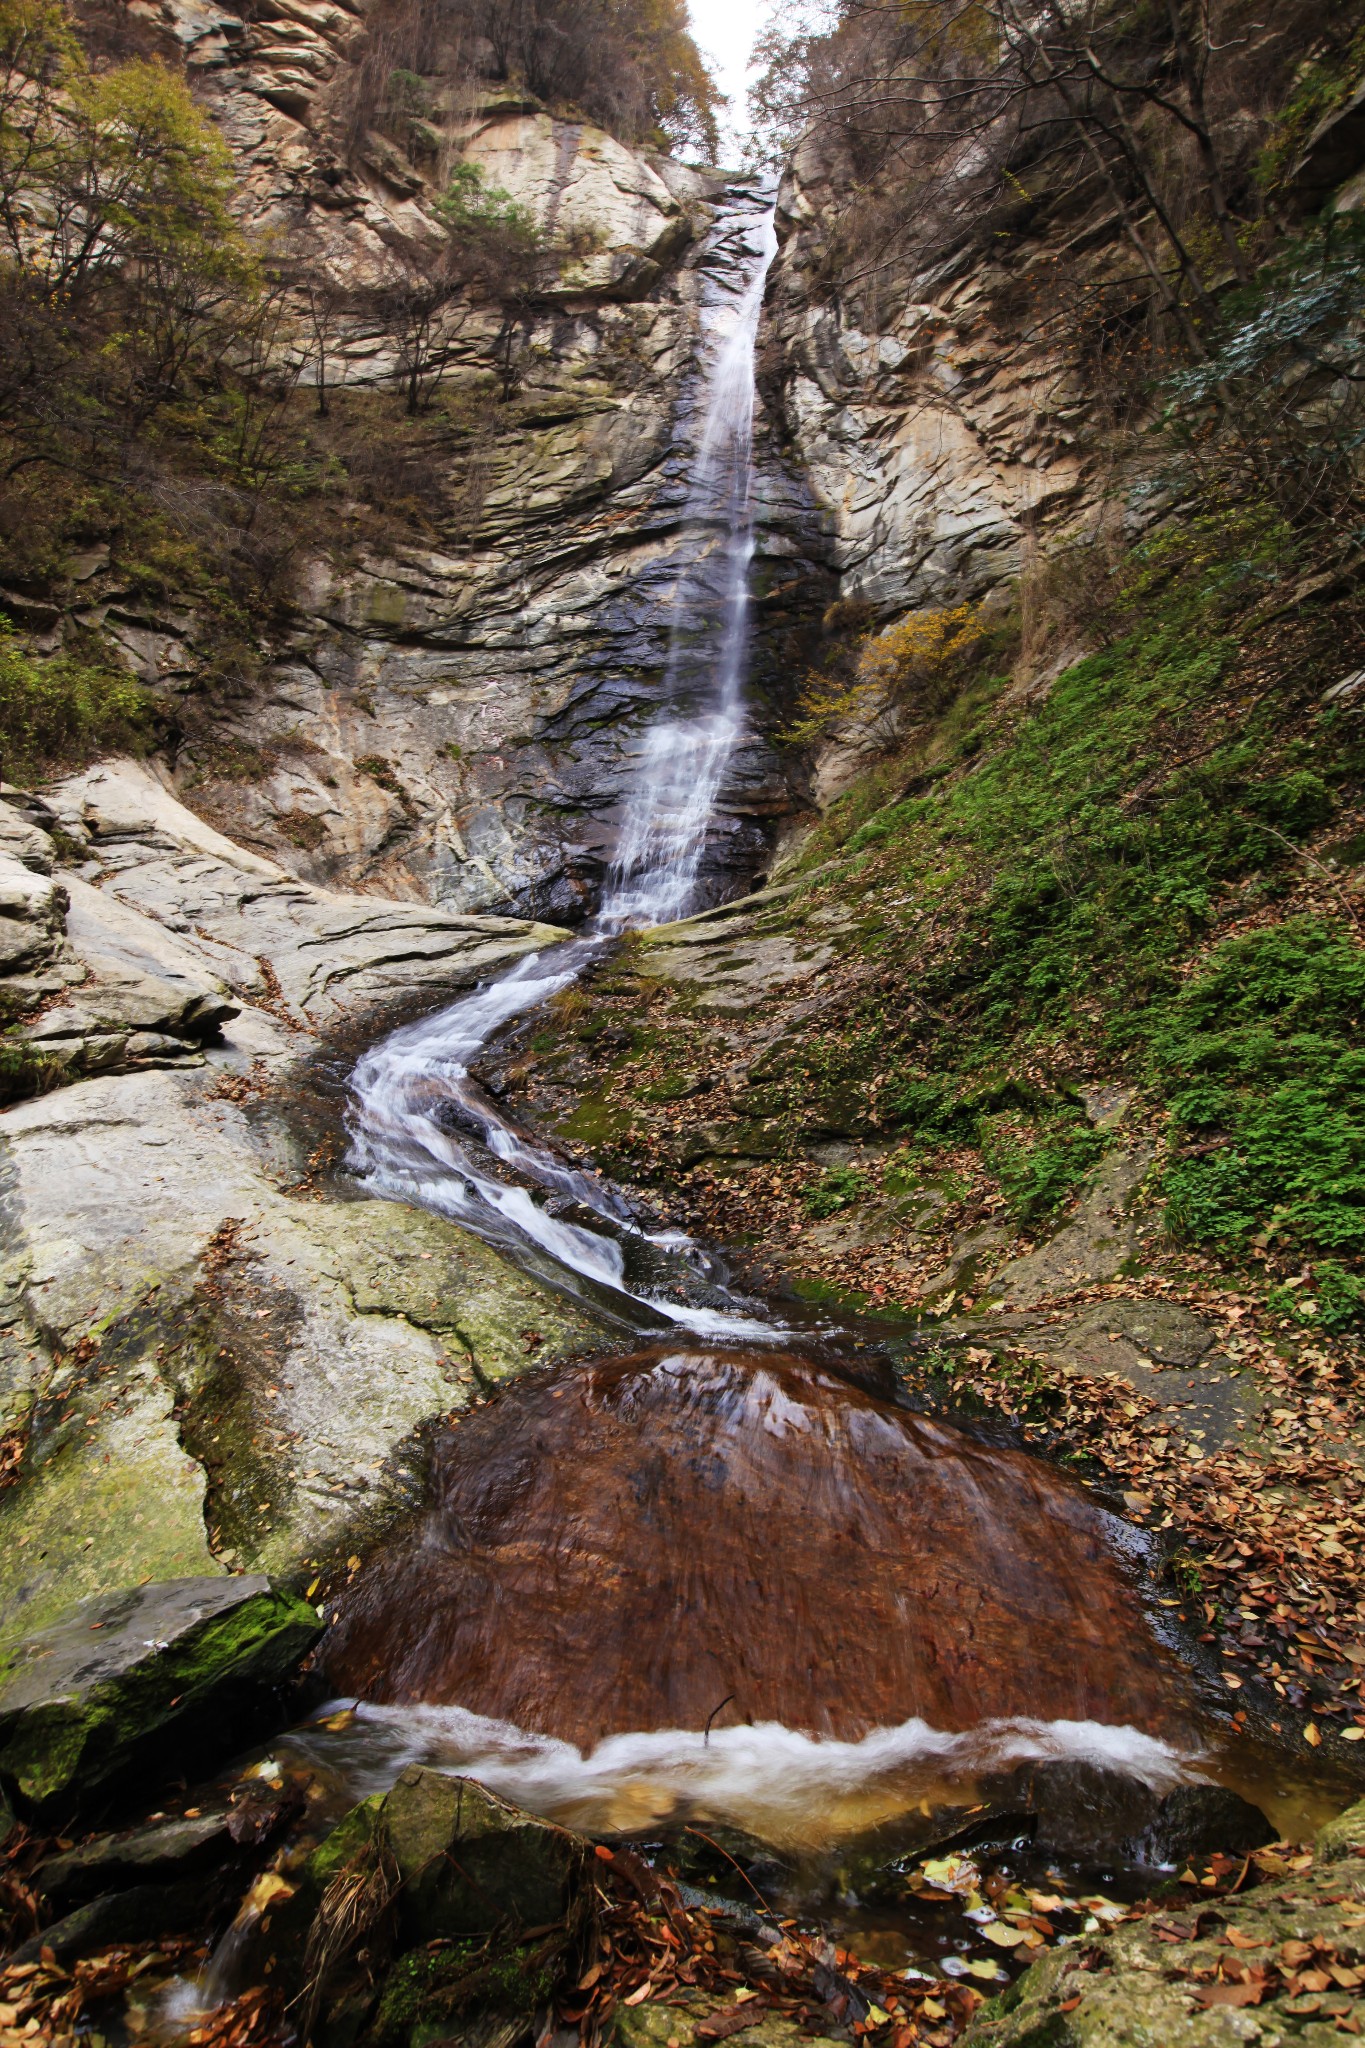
point(912, 667)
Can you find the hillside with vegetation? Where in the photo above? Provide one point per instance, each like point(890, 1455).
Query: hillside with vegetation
point(931, 1269)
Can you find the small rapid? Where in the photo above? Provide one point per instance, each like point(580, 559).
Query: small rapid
point(777, 1784)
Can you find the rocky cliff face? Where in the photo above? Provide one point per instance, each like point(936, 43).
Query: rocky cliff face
point(451, 717)
point(956, 432)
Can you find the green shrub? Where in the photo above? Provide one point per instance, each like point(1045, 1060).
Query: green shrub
point(1039, 1174)
point(838, 1187)
point(60, 713)
point(469, 206)
point(25, 1070)
point(1261, 1060)
point(886, 824)
point(1331, 1298)
point(930, 1108)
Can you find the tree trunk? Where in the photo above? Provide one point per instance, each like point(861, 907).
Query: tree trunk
point(1192, 78)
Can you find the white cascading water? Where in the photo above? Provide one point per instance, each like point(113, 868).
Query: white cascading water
point(421, 1130)
point(785, 1787)
point(683, 760)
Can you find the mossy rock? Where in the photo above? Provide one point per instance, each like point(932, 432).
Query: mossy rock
point(428, 1991)
point(1145, 1985)
point(132, 1678)
point(471, 1863)
point(654, 2025)
point(1343, 1837)
point(348, 1840)
point(478, 1905)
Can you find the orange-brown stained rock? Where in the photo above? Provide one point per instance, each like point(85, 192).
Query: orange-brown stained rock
point(621, 1546)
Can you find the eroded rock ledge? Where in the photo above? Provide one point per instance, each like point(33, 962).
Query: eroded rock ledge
point(207, 1361)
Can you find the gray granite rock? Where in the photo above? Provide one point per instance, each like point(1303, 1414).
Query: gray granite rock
point(215, 1361)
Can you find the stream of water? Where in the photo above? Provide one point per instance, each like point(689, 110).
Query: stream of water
point(718, 1581)
point(421, 1129)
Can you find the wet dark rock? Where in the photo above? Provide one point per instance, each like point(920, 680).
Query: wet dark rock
point(1197, 1820)
point(133, 1678)
point(150, 1855)
point(1096, 1814)
point(471, 1863)
point(874, 1866)
point(147, 1912)
point(260, 1809)
point(1081, 1810)
point(716, 1860)
point(1335, 152)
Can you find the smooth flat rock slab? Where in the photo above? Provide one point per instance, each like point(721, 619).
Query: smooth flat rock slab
point(1094, 1246)
point(732, 971)
point(1205, 1400)
point(180, 895)
point(1165, 1330)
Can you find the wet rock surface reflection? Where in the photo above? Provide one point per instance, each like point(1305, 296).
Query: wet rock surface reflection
point(629, 1544)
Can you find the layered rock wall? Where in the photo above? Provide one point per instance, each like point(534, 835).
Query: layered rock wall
point(451, 714)
point(953, 439)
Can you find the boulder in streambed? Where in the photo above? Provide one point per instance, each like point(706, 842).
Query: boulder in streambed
point(1095, 1813)
point(439, 1911)
point(132, 1677)
point(157, 1853)
point(471, 1863)
point(143, 1913)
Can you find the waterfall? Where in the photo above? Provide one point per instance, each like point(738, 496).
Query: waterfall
point(683, 760)
point(698, 1527)
point(421, 1130)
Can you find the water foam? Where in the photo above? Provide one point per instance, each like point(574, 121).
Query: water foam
point(786, 1787)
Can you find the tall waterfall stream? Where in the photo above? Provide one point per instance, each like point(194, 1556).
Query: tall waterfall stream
point(717, 1579)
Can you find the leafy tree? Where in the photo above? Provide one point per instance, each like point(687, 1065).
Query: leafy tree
point(942, 114)
point(1277, 406)
point(119, 255)
point(57, 711)
point(631, 65)
point(914, 667)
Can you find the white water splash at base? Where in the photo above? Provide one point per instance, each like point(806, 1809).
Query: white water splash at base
point(792, 1790)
